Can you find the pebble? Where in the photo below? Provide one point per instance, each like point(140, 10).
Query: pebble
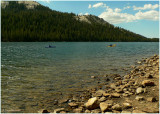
point(139, 98)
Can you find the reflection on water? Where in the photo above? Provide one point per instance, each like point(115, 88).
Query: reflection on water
point(32, 73)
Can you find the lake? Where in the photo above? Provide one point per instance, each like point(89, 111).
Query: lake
point(32, 73)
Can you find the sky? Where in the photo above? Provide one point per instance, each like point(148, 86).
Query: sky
point(141, 17)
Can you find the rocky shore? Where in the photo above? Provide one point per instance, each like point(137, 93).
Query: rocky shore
point(136, 92)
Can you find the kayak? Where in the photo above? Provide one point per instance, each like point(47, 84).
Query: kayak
point(114, 45)
point(50, 47)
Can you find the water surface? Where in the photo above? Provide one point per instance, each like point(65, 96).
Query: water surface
point(31, 72)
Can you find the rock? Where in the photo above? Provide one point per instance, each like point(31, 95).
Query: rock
point(149, 76)
point(65, 100)
point(96, 111)
point(104, 106)
point(99, 93)
point(93, 77)
point(102, 99)
point(148, 83)
point(92, 103)
point(139, 90)
point(139, 98)
point(78, 110)
point(137, 111)
point(127, 105)
point(72, 104)
point(115, 95)
point(43, 111)
point(63, 112)
point(112, 85)
point(58, 110)
point(151, 99)
point(117, 107)
point(87, 111)
point(106, 94)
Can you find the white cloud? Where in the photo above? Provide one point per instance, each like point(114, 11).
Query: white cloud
point(86, 14)
point(148, 15)
point(90, 6)
point(127, 7)
point(47, 1)
point(146, 6)
point(114, 17)
point(98, 5)
point(117, 10)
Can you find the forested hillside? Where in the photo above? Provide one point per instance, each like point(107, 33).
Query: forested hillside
point(43, 24)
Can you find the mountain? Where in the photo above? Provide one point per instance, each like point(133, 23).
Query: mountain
point(30, 21)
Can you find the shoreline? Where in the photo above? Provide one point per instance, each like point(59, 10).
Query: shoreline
point(136, 92)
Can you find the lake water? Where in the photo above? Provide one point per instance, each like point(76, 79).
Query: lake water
point(32, 73)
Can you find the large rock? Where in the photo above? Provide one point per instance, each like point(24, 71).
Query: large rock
point(92, 103)
point(148, 83)
point(104, 106)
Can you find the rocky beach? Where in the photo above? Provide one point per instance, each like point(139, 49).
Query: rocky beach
point(136, 92)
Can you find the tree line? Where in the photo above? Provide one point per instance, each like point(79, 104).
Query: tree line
point(43, 24)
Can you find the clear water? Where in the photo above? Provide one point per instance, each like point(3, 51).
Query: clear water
point(31, 72)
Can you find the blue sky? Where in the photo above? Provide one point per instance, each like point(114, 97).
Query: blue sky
point(141, 17)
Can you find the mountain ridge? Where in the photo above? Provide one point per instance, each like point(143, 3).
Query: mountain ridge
point(39, 23)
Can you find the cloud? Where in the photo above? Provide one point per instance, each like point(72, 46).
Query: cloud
point(98, 5)
point(90, 6)
point(146, 7)
point(148, 15)
point(86, 14)
point(117, 10)
point(127, 7)
point(47, 1)
point(114, 17)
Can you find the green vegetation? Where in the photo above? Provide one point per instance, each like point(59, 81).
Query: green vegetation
point(43, 24)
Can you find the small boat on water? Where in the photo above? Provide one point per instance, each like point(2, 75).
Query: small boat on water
point(112, 45)
point(50, 46)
